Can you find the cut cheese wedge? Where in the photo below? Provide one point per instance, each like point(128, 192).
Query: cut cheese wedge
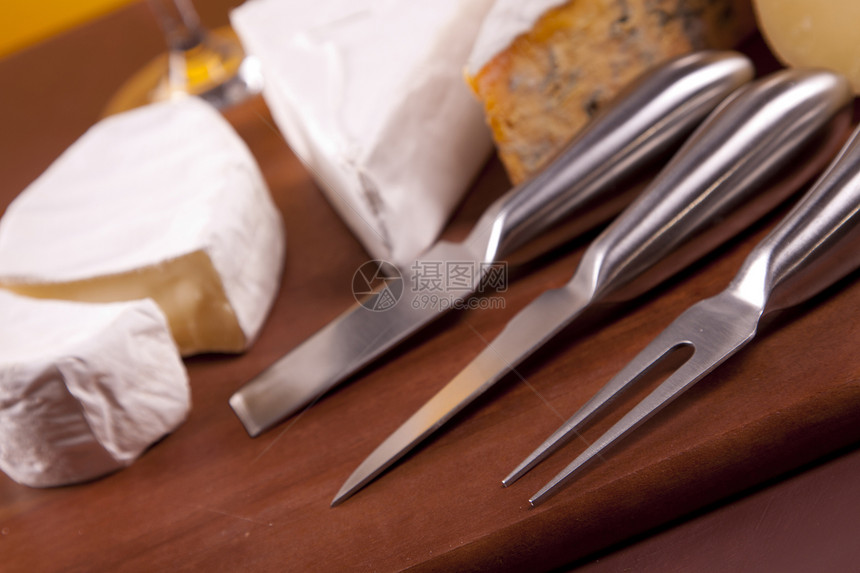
point(84, 388)
point(370, 95)
point(164, 202)
point(543, 68)
point(813, 33)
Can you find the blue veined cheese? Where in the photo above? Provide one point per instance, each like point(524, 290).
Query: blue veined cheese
point(370, 95)
point(84, 388)
point(543, 68)
point(164, 202)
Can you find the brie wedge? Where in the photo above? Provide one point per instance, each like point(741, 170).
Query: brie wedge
point(84, 388)
point(163, 202)
point(370, 95)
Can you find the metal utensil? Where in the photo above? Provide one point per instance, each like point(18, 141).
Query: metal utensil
point(812, 247)
point(642, 126)
point(724, 173)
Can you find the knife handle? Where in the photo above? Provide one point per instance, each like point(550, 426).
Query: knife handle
point(644, 123)
point(722, 179)
point(814, 245)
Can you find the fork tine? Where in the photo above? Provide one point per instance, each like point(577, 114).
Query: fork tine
point(714, 333)
point(650, 356)
point(675, 385)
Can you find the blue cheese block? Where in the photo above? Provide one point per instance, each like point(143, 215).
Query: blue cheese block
point(543, 68)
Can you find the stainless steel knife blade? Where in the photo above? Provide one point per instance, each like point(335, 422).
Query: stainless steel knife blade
point(643, 124)
point(726, 170)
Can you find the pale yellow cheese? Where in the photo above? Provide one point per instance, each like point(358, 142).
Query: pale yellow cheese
point(813, 33)
point(187, 289)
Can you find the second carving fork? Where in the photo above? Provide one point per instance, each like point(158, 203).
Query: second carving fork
point(812, 247)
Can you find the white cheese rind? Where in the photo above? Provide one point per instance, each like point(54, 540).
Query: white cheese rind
point(84, 388)
point(505, 21)
point(370, 95)
point(140, 190)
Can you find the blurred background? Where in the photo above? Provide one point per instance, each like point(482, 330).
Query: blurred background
point(27, 22)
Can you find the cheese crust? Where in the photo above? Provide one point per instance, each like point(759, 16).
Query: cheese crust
point(546, 85)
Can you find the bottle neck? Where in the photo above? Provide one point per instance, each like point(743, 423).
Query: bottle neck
point(179, 23)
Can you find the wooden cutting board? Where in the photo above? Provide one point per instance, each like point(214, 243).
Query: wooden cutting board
point(209, 497)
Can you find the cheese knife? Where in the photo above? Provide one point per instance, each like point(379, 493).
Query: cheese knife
point(746, 158)
point(811, 248)
point(646, 122)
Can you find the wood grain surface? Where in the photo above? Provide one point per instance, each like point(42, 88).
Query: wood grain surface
point(210, 498)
